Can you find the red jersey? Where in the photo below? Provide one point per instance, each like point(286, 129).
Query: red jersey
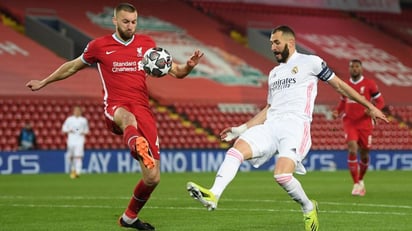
point(120, 68)
point(354, 113)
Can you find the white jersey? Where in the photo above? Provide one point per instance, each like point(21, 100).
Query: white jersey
point(291, 96)
point(293, 86)
point(76, 128)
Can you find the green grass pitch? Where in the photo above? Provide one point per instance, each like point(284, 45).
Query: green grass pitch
point(253, 201)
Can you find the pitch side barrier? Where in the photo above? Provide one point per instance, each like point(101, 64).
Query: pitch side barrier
point(120, 161)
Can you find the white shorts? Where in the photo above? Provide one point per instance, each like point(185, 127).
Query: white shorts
point(288, 136)
point(75, 150)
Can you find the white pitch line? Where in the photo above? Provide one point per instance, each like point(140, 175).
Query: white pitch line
point(11, 197)
point(327, 203)
point(198, 208)
point(178, 198)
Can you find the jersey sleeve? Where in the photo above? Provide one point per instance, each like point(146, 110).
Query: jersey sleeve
point(86, 126)
point(321, 69)
point(376, 95)
point(341, 105)
point(373, 88)
point(65, 127)
point(269, 93)
point(89, 54)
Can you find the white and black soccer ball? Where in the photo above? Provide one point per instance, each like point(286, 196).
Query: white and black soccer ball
point(157, 62)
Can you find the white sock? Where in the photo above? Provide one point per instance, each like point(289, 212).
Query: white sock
point(78, 165)
point(293, 187)
point(72, 167)
point(227, 171)
point(128, 220)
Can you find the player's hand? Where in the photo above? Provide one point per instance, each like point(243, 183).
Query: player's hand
point(228, 134)
point(377, 114)
point(34, 85)
point(194, 59)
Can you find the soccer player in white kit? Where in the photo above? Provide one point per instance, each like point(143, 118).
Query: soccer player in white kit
point(76, 127)
point(282, 127)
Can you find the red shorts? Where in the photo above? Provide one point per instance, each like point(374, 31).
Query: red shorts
point(146, 124)
point(362, 136)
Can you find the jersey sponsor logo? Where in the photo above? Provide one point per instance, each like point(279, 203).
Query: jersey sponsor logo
point(109, 52)
point(124, 66)
point(283, 83)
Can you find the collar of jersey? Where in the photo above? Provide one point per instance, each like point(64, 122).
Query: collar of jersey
point(356, 82)
point(292, 57)
point(119, 40)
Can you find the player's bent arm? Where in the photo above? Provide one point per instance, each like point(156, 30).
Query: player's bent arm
point(259, 118)
point(344, 89)
point(231, 133)
point(66, 70)
point(182, 70)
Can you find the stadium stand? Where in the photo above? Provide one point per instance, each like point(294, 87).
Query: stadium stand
point(47, 115)
point(23, 59)
point(321, 32)
point(398, 25)
point(190, 113)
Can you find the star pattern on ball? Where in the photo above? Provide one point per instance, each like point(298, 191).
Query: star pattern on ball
point(151, 64)
point(157, 62)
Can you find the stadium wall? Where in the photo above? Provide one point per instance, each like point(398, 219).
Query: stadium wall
point(120, 161)
point(42, 31)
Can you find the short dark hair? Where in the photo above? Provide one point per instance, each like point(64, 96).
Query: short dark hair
point(125, 7)
point(284, 29)
point(356, 61)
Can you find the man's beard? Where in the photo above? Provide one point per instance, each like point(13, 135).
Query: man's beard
point(124, 35)
point(355, 75)
point(283, 55)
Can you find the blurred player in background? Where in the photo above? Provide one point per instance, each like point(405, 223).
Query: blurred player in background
point(27, 138)
point(76, 127)
point(282, 127)
point(126, 99)
point(358, 124)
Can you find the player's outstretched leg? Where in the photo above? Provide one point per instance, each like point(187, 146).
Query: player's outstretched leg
point(142, 149)
point(138, 224)
point(204, 196)
point(311, 218)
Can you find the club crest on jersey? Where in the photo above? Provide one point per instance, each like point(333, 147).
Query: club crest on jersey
point(139, 52)
point(362, 90)
point(295, 70)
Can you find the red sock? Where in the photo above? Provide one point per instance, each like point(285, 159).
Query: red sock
point(140, 196)
point(363, 167)
point(353, 167)
point(129, 137)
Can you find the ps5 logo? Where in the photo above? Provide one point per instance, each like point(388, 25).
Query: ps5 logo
point(26, 164)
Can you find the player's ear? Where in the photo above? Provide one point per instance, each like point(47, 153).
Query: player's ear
point(291, 43)
point(114, 20)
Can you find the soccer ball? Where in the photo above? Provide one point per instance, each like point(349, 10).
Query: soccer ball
point(157, 62)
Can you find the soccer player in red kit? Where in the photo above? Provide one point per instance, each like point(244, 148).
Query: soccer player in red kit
point(358, 125)
point(126, 98)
